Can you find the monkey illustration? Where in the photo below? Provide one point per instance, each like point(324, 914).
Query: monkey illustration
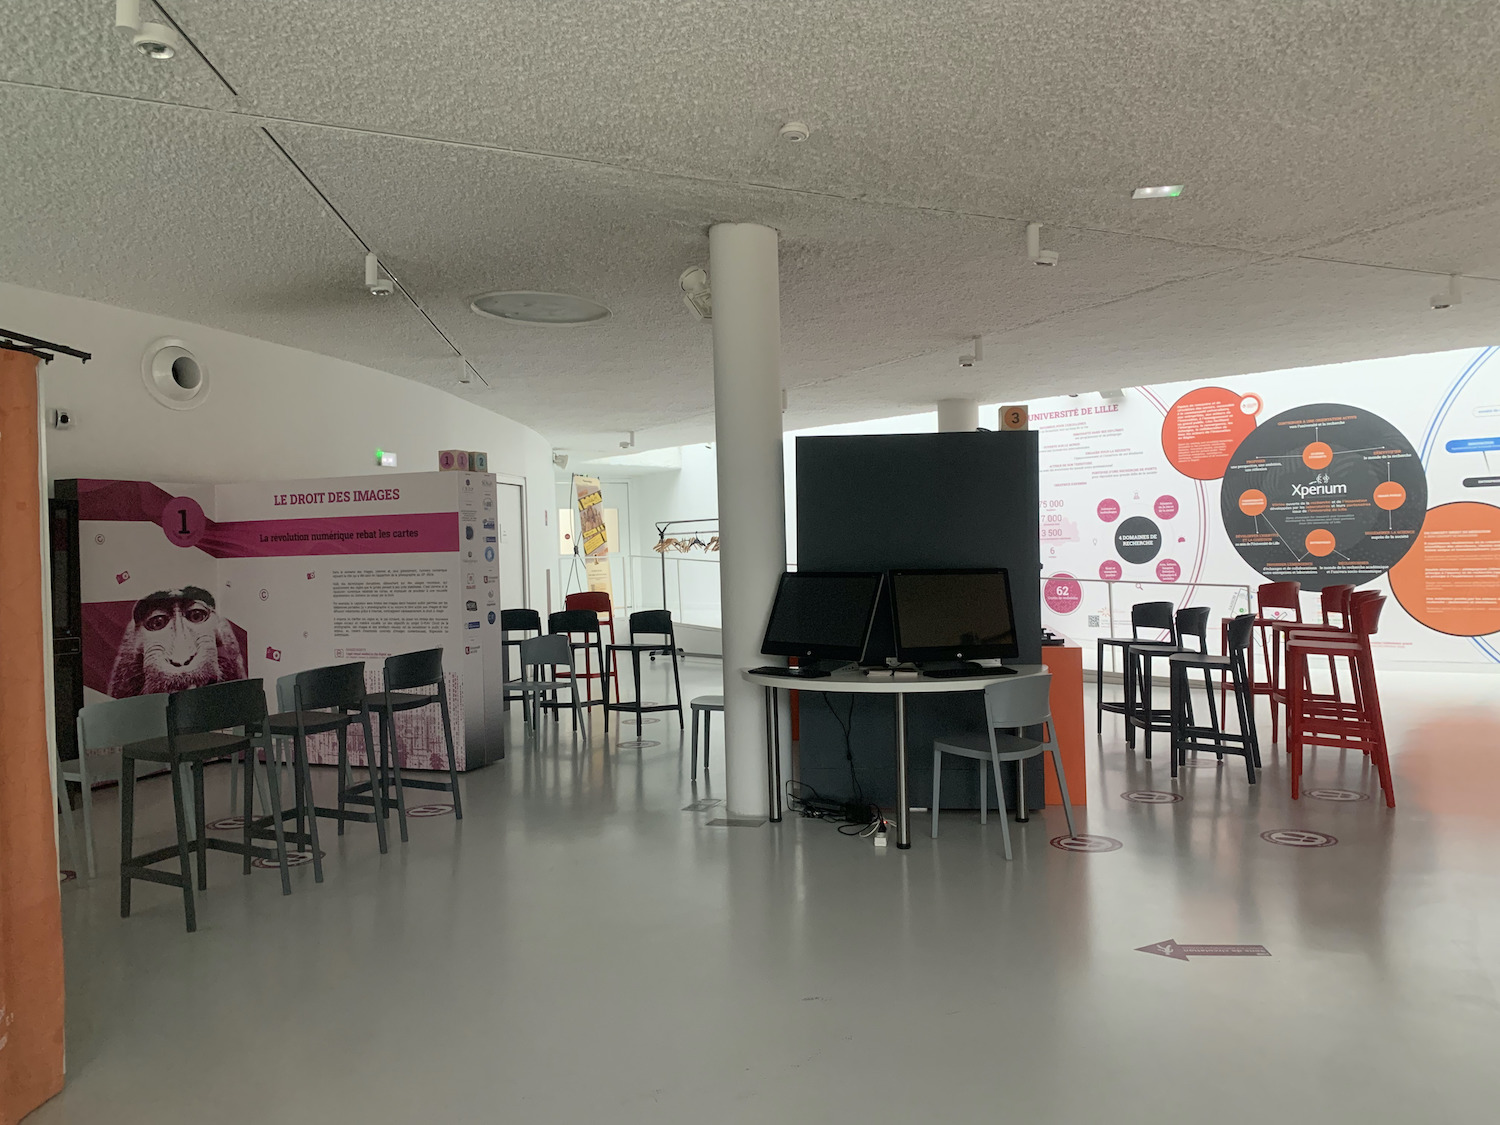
point(175, 640)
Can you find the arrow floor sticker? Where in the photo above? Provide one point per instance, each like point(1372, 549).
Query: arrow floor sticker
point(1179, 952)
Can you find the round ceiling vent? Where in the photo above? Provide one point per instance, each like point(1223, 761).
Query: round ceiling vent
point(527, 307)
point(173, 375)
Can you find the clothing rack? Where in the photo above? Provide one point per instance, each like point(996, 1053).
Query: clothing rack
point(42, 349)
point(710, 525)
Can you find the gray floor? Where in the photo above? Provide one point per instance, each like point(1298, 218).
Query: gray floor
point(580, 947)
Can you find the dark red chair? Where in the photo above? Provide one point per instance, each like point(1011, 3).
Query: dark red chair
point(599, 601)
point(1285, 597)
point(1352, 723)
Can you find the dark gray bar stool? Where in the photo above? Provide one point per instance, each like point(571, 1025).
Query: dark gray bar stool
point(330, 699)
point(648, 623)
point(406, 678)
point(1143, 615)
point(196, 721)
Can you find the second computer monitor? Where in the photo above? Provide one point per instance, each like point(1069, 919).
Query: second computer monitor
point(948, 615)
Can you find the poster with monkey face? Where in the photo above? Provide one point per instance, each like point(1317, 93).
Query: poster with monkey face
point(185, 585)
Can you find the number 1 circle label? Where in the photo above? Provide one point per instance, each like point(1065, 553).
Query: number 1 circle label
point(183, 521)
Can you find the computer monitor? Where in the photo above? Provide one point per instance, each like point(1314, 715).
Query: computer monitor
point(953, 615)
point(821, 616)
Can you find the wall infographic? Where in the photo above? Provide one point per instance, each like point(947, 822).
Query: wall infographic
point(190, 584)
point(1382, 473)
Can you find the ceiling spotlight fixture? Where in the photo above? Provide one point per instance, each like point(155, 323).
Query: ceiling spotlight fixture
point(1166, 191)
point(795, 132)
point(465, 372)
point(977, 357)
point(629, 443)
point(695, 292)
point(1034, 249)
point(376, 283)
point(1447, 300)
point(154, 40)
point(552, 310)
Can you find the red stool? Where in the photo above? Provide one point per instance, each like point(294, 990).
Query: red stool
point(599, 602)
point(1333, 720)
point(1334, 602)
point(1269, 596)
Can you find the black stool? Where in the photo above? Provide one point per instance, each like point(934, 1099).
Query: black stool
point(515, 621)
point(195, 718)
point(403, 674)
point(585, 623)
point(1139, 658)
point(1188, 736)
point(333, 699)
point(649, 623)
point(1143, 615)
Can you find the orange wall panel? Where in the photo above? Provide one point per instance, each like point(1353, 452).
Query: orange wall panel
point(1066, 665)
point(31, 966)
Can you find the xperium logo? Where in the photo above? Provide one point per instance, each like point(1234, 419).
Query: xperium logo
point(123, 577)
point(311, 574)
point(1319, 487)
point(273, 653)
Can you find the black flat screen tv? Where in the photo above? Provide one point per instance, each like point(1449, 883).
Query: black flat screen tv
point(953, 615)
point(822, 616)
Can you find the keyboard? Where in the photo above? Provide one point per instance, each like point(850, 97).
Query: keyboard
point(791, 673)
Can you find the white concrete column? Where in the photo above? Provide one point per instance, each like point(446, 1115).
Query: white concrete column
point(957, 415)
point(743, 270)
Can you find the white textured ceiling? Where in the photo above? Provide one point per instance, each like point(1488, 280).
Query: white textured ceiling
point(1340, 156)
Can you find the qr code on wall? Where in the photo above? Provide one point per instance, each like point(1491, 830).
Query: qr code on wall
point(1093, 621)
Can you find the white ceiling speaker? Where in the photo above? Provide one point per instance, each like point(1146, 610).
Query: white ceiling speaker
point(154, 40)
point(173, 375)
point(976, 357)
point(1034, 251)
point(376, 283)
point(560, 459)
point(696, 293)
point(1447, 300)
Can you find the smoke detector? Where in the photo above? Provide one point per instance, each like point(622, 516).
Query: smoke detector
point(795, 132)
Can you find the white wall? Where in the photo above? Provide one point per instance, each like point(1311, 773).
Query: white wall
point(272, 413)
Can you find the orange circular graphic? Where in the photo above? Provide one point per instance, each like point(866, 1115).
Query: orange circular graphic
point(1320, 542)
point(1203, 429)
point(1450, 579)
point(1318, 455)
point(1389, 495)
point(1252, 501)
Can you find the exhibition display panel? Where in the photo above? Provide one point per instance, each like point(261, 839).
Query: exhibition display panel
point(178, 585)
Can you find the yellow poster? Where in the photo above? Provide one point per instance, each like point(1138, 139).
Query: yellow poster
point(591, 515)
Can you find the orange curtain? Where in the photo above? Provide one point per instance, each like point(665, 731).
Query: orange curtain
point(31, 968)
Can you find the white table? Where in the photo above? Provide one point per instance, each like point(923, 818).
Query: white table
point(849, 682)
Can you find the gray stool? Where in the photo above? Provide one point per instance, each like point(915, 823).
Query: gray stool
point(707, 704)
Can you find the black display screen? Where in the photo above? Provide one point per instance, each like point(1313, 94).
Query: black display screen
point(821, 616)
point(953, 615)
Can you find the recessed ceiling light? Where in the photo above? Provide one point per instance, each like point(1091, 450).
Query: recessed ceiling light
point(1166, 191)
point(527, 307)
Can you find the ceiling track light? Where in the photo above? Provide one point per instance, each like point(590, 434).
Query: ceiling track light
point(1454, 295)
point(1034, 251)
point(696, 293)
point(152, 39)
point(1165, 191)
point(376, 283)
point(976, 357)
point(629, 443)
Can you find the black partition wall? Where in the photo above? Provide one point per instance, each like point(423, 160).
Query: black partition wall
point(884, 502)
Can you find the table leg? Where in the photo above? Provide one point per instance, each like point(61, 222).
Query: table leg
point(903, 798)
point(773, 755)
point(1023, 813)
